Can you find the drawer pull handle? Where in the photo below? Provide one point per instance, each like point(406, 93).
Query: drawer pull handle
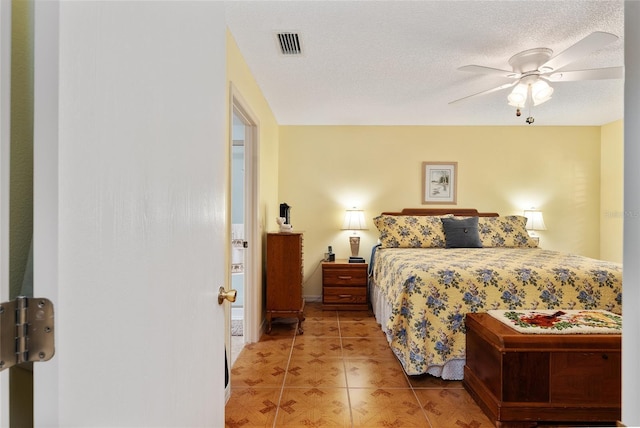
point(344, 295)
point(344, 277)
point(605, 357)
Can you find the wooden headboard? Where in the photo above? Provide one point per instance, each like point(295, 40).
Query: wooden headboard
point(464, 212)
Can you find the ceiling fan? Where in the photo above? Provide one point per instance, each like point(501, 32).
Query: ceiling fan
point(533, 70)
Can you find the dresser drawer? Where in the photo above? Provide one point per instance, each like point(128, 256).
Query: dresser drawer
point(344, 286)
point(344, 276)
point(345, 295)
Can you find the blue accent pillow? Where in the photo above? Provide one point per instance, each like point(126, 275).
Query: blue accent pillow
point(461, 233)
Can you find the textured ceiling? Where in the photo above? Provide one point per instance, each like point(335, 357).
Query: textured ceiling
point(395, 62)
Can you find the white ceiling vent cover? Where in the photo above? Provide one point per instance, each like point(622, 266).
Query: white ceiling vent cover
point(289, 43)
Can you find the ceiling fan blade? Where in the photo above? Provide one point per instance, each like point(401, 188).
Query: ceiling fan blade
point(592, 42)
point(505, 86)
point(488, 70)
point(595, 74)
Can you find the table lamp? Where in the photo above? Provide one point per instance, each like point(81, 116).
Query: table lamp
point(354, 220)
point(534, 222)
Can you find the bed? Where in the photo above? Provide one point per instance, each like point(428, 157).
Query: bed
point(433, 266)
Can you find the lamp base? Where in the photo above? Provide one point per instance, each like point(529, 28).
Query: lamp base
point(354, 242)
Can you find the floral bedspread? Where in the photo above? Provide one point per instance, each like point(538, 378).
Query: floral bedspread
point(430, 291)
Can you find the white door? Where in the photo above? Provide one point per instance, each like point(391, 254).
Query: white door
point(5, 68)
point(130, 217)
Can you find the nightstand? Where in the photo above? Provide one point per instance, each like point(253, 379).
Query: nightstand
point(344, 286)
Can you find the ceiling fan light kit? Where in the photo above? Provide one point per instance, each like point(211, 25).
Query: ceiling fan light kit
point(533, 69)
point(518, 97)
point(541, 92)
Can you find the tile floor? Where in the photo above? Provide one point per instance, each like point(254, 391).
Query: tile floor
point(339, 373)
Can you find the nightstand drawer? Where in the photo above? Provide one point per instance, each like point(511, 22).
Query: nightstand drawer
point(344, 276)
point(345, 295)
point(344, 286)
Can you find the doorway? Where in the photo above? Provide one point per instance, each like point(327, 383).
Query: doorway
point(244, 242)
point(237, 234)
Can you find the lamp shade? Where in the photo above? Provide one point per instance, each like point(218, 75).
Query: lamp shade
point(537, 92)
point(540, 92)
point(354, 220)
point(534, 220)
point(518, 97)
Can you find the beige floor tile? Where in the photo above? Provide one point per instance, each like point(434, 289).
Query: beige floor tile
point(314, 311)
point(269, 345)
point(321, 327)
point(314, 407)
point(251, 407)
point(309, 371)
point(259, 370)
point(365, 328)
point(340, 373)
point(375, 373)
point(381, 407)
point(451, 407)
point(366, 347)
point(318, 347)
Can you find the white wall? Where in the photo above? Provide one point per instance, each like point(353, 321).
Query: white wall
point(631, 279)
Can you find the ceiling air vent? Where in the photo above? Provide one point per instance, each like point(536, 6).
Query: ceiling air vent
point(289, 43)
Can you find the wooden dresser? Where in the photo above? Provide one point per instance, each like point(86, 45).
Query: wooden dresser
point(284, 277)
point(344, 286)
point(520, 379)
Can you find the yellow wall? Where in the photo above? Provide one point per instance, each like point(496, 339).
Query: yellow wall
point(612, 189)
point(573, 174)
point(325, 169)
point(244, 85)
point(240, 76)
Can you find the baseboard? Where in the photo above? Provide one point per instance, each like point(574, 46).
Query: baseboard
point(313, 298)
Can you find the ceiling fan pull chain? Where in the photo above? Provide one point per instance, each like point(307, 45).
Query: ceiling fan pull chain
point(530, 118)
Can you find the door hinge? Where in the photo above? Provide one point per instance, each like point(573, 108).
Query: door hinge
point(26, 331)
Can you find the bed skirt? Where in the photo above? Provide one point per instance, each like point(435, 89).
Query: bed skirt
point(452, 370)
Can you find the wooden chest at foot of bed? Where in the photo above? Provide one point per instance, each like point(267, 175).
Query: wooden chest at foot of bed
point(520, 379)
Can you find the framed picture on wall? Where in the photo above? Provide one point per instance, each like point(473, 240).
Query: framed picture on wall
point(439, 182)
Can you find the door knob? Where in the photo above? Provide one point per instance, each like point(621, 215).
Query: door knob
point(229, 295)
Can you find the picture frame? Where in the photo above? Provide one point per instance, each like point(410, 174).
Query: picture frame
point(439, 182)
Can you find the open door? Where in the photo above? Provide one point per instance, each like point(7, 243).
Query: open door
point(130, 212)
point(245, 206)
point(5, 81)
